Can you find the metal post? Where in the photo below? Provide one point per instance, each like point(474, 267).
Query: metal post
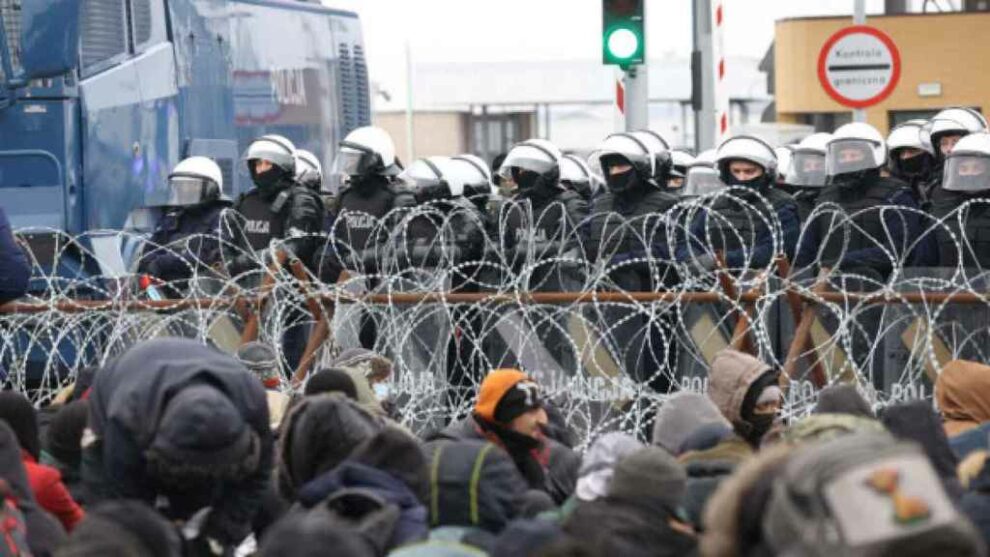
point(410, 131)
point(859, 18)
point(704, 78)
point(637, 98)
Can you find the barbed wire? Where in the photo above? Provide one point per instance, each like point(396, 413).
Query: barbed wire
point(449, 293)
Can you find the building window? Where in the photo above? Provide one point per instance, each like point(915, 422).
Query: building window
point(141, 21)
point(104, 31)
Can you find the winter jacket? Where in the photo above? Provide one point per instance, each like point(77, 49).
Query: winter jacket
point(680, 416)
point(15, 272)
point(411, 525)
point(44, 533)
point(842, 399)
point(130, 396)
point(558, 462)
point(51, 494)
point(707, 469)
point(612, 526)
point(975, 503)
point(917, 421)
point(962, 392)
point(975, 439)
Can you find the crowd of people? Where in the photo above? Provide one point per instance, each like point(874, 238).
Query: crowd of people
point(175, 448)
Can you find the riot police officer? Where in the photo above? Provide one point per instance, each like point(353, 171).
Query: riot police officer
point(185, 241)
point(679, 163)
point(911, 159)
point(807, 172)
point(367, 165)
point(702, 178)
point(627, 237)
point(945, 129)
point(542, 218)
point(309, 171)
point(963, 206)
point(751, 222)
point(860, 216)
point(278, 212)
point(576, 176)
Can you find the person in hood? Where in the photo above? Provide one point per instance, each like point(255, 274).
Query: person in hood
point(843, 399)
point(183, 426)
point(962, 392)
point(369, 372)
point(917, 421)
point(641, 515)
point(44, 533)
point(123, 528)
point(46, 481)
point(680, 416)
point(309, 535)
point(509, 412)
point(747, 392)
point(598, 465)
point(318, 434)
point(15, 272)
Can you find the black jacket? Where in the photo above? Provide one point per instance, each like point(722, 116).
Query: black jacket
point(14, 269)
point(186, 238)
point(128, 399)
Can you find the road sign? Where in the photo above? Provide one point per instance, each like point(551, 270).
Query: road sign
point(859, 66)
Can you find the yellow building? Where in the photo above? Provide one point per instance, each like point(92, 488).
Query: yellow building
point(944, 62)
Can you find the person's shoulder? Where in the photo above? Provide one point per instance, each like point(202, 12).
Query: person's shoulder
point(41, 476)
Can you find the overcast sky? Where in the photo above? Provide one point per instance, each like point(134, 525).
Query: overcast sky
point(498, 30)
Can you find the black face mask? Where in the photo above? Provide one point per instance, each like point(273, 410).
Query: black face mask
point(622, 182)
point(851, 180)
point(583, 189)
point(367, 185)
point(267, 181)
point(914, 167)
point(525, 180)
point(759, 424)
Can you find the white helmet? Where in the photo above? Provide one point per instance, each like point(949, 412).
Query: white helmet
point(702, 177)
point(636, 149)
point(967, 167)
point(533, 155)
point(426, 172)
point(680, 161)
point(275, 149)
point(784, 154)
point(576, 175)
point(750, 149)
point(309, 171)
point(908, 135)
point(478, 176)
point(808, 161)
point(194, 181)
point(661, 153)
point(953, 121)
point(853, 148)
point(366, 151)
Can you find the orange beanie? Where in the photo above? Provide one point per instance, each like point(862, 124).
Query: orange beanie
point(493, 388)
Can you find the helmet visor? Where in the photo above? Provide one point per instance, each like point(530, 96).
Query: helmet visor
point(967, 173)
point(807, 170)
point(702, 181)
point(849, 155)
point(535, 162)
point(186, 190)
point(354, 160)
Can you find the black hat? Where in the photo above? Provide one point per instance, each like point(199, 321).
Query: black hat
point(65, 433)
point(202, 427)
point(331, 380)
point(519, 399)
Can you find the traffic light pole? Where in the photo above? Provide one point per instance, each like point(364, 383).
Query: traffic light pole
point(636, 81)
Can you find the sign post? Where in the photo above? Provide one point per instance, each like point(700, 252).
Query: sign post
point(859, 66)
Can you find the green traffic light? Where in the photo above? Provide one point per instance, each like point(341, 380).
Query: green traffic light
point(622, 43)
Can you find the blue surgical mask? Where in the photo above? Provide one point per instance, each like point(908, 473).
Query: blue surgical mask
point(382, 390)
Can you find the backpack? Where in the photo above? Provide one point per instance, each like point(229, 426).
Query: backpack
point(13, 530)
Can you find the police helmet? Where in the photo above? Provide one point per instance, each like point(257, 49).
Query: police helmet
point(193, 181)
point(808, 161)
point(750, 149)
point(309, 171)
point(854, 148)
point(967, 167)
point(366, 151)
point(275, 149)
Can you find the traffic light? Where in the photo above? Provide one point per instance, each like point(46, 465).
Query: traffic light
point(623, 36)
